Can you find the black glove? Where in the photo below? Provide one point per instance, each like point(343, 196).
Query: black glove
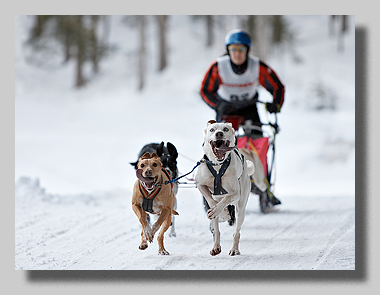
point(273, 107)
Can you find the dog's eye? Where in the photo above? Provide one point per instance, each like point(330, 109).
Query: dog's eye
point(225, 129)
point(154, 164)
point(142, 166)
point(212, 130)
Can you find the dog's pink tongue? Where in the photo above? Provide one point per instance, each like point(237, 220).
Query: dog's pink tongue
point(147, 180)
point(220, 148)
point(225, 148)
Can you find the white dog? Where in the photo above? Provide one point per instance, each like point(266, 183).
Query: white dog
point(223, 179)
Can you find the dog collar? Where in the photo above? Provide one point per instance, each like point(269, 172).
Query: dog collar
point(147, 204)
point(150, 194)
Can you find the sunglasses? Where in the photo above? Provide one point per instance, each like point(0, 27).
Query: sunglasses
point(235, 48)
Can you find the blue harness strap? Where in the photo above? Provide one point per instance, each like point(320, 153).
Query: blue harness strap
point(175, 179)
point(218, 178)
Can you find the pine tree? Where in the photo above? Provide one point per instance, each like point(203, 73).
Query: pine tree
point(162, 26)
point(209, 30)
point(78, 36)
point(142, 51)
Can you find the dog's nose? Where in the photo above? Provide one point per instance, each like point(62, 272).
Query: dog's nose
point(148, 172)
point(219, 134)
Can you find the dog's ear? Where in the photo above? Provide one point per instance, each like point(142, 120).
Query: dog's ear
point(154, 155)
point(157, 158)
point(134, 164)
point(146, 156)
point(172, 150)
point(211, 122)
point(231, 126)
point(160, 149)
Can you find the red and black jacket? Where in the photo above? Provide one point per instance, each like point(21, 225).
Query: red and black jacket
point(267, 78)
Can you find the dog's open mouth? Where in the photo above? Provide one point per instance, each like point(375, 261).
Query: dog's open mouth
point(220, 148)
point(149, 182)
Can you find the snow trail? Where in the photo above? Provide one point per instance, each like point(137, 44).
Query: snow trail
point(306, 233)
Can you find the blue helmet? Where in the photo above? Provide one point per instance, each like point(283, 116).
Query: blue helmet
point(238, 37)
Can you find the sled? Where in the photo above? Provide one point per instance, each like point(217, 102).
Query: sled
point(256, 150)
point(258, 146)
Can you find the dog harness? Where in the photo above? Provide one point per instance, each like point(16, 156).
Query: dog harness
point(218, 189)
point(148, 197)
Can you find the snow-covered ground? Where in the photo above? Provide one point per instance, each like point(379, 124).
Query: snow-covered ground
point(73, 180)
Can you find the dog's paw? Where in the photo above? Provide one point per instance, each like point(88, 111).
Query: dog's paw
point(216, 250)
point(234, 252)
point(163, 252)
point(148, 235)
point(214, 212)
point(143, 246)
point(210, 214)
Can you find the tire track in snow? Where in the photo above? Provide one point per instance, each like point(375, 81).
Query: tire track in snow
point(337, 236)
point(266, 241)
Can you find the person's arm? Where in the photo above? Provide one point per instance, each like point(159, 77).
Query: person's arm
point(210, 85)
point(270, 81)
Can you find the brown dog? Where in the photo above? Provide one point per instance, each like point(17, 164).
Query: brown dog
point(150, 194)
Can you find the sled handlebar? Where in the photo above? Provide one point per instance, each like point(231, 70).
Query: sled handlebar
point(275, 124)
point(237, 120)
